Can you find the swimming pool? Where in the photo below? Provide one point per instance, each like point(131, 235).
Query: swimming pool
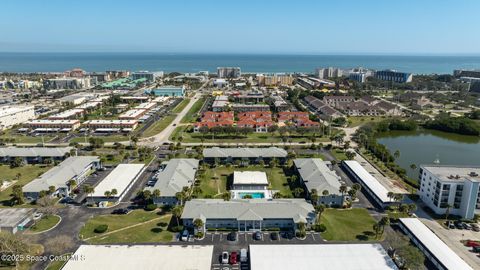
point(255, 195)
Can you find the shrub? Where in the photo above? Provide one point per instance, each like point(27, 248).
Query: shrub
point(300, 234)
point(150, 207)
point(319, 227)
point(101, 228)
point(178, 228)
point(199, 235)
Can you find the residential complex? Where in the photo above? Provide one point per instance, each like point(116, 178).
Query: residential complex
point(35, 155)
point(393, 76)
point(246, 215)
point(14, 115)
point(244, 155)
point(451, 187)
point(73, 168)
point(228, 72)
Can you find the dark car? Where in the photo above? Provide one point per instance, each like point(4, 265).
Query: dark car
point(274, 236)
point(257, 235)
point(458, 225)
point(121, 211)
point(232, 236)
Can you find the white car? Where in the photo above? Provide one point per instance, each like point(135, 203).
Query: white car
point(225, 257)
point(37, 215)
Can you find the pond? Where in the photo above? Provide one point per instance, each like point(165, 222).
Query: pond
point(427, 146)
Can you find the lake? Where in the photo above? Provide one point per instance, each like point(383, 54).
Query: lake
point(424, 146)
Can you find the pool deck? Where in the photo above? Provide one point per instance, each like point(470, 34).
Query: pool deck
point(267, 194)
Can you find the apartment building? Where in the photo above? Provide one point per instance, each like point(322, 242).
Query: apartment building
point(14, 115)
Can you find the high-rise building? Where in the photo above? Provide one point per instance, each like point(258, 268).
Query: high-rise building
point(150, 76)
point(325, 73)
point(466, 73)
point(453, 187)
point(228, 72)
point(357, 76)
point(393, 76)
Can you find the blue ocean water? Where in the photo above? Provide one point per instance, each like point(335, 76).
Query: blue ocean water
point(56, 62)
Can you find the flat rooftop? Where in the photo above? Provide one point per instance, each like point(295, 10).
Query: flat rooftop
point(118, 179)
point(454, 173)
point(371, 182)
point(249, 178)
point(145, 257)
point(12, 151)
point(10, 217)
point(328, 256)
point(435, 245)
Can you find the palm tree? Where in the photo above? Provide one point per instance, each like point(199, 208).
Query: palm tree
point(114, 192)
point(297, 192)
point(343, 189)
point(226, 196)
point(325, 192)
point(177, 212)
point(396, 154)
point(413, 167)
point(198, 223)
point(314, 196)
point(447, 211)
point(107, 194)
point(88, 189)
point(377, 228)
point(353, 194)
point(319, 209)
point(412, 208)
point(390, 195)
point(180, 197)
point(385, 221)
point(357, 186)
point(277, 195)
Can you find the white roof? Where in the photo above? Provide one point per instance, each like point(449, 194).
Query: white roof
point(118, 179)
point(12, 151)
point(248, 178)
point(145, 257)
point(436, 246)
point(327, 256)
point(133, 113)
point(371, 182)
point(67, 113)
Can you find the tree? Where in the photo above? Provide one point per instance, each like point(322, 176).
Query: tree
point(51, 190)
point(413, 257)
point(198, 223)
point(114, 192)
point(325, 192)
point(447, 211)
point(177, 212)
point(277, 195)
point(180, 197)
point(377, 228)
point(357, 186)
point(353, 194)
point(72, 184)
point(13, 245)
point(59, 244)
point(390, 195)
point(17, 195)
point(413, 167)
point(319, 209)
point(47, 205)
point(396, 154)
point(314, 196)
point(343, 189)
point(88, 189)
point(297, 192)
point(384, 221)
point(107, 194)
point(412, 208)
point(226, 196)
point(16, 162)
point(350, 155)
point(156, 193)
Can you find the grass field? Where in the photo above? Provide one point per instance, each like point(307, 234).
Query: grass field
point(27, 173)
point(191, 137)
point(158, 126)
point(192, 113)
point(348, 225)
point(215, 180)
point(153, 231)
point(44, 223)
point(181, 105)
point(116, 222)
point(338, 154)
point(57, 265)
point(354, 121)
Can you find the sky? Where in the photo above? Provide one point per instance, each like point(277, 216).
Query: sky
point(247, 26)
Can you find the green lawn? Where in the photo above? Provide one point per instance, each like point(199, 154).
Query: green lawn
point(354, 121)
point(191, 137)
point(338, 154)
point(44, 223)
point(57, 265)
point(348, 225)
point(181, 105)
point(158, 126)
point(27, 173)
point(110, 138)
point(116, 222)
point(214, 181)
point(153, 231)
point(192, 113)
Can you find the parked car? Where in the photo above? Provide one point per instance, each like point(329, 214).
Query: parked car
point(475, 227)
point(450, 224)
point(37, 215)
point(476, 249)
point(458, 225)
point(120, 211)
point(258, 235)
point(232, 236)
point(467, 226)
point(233, 257)
point(274, 236)
point(225, 257)
point(243, 255)
point(471, 243)
point(185, 235)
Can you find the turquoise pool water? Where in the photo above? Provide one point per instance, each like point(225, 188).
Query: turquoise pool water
point(255, 195)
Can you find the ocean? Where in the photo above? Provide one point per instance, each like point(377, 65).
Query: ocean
point(58, 62)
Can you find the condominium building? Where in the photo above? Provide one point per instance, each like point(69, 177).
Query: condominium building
point(275, 79)
point(149, 76)
point(394, 76)
point(45, 125)
point(453, 187)
point(67, 83)
point(358, 76)
point(325, 73)
point(228, 72)
point(14, 115)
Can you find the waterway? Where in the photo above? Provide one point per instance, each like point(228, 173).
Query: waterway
point(425, 146)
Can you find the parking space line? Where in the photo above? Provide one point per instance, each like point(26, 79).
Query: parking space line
point(313, 236)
